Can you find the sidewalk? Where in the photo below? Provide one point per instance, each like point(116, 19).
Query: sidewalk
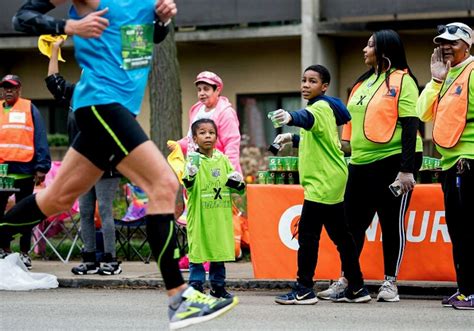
point(239, 276)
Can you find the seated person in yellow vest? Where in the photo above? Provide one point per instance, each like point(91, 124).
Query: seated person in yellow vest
point(385, 149)
point(448, 100)
point(24, 147)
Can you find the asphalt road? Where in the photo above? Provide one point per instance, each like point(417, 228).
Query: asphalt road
point(128, 309)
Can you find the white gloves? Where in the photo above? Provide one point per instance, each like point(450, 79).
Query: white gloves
point(281, 116)
point(406, 180)
point(439, 69)
point(191, 169)
point(283, 138)
point(236, 176)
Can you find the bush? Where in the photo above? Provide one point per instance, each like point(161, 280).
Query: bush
point(58, 139)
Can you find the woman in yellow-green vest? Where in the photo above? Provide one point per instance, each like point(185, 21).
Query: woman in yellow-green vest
point(448, 100)
point(385, 149)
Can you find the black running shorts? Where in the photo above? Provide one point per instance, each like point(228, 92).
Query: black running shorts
point(107, 134)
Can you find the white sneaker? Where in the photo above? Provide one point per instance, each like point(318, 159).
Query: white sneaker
point(334, 289)
point(388, 292)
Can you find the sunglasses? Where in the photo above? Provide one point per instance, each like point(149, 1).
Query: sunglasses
point(452, 29)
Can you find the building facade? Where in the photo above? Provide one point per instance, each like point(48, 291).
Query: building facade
point(258, 47)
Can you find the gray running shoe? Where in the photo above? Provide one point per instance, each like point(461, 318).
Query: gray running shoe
point(388, 292)
point(197, 308)
point(334, 289)
point(86, 268)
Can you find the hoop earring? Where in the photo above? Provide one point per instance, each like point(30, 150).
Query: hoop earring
point(389, 62)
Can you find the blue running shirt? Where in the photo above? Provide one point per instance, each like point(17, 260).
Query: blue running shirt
point(115, 66)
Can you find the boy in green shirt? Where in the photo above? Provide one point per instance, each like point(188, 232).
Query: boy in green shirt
point(323, 175)
point(209, 178)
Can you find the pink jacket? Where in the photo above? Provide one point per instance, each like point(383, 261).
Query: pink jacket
point(228, 141)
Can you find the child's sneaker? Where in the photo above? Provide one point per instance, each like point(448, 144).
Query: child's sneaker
point(220, 292)
point(26, 260)
point(360, 296)
point(464, 303)
point(334, 289)
point(388, 292)
point(448, 301)
point(300, 295)
point(197, 286)
point(197, 308)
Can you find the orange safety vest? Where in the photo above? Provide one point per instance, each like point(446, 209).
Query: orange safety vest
point(450, 111)
point(381, 115)
point(17, 132)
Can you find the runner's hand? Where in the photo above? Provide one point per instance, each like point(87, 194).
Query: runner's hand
point(236, 176)
point(407, 181)
point(283, 138)
point(281, 116)
point(439, 69)
point(90, 26)
point(165, 10)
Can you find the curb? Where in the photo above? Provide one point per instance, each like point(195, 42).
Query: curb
point(420, 290)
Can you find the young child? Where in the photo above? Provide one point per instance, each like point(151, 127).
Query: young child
point(209, 178)
point(323, 175)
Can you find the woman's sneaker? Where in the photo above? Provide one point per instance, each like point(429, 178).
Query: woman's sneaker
point(197, 308)
point(360, 296)
point(86, 268)
point(300, 295)
point(26, 260)
point(110, 268)
point(334, 289)
point(448, 301)
point(388, 292)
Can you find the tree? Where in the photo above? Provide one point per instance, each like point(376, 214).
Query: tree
point(165, 93)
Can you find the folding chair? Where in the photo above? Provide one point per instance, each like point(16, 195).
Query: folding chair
point(131, 227)
point(54, 231)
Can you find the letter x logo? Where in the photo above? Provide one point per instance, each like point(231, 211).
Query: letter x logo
point(218, 193)
point(362, 97)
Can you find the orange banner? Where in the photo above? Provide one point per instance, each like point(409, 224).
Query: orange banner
point(274, 209)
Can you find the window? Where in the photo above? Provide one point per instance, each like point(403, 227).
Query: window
point(54, 115)
point(252, 110)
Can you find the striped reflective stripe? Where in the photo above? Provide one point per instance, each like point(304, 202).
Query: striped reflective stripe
point(20, 224)
point(109, 130)
point(401, 230)
point(17, 126)
point(18, 146)
point(170, 235)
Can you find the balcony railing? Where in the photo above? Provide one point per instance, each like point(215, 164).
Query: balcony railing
point(347, 10)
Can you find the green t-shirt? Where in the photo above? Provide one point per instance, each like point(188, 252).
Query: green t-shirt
point(210, 227)
point(322, 168)
point(465, 146)
point(365, 151)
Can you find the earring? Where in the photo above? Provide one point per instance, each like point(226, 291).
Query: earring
point(389, 62)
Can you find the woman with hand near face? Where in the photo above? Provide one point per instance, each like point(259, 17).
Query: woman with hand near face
point(448, 100)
